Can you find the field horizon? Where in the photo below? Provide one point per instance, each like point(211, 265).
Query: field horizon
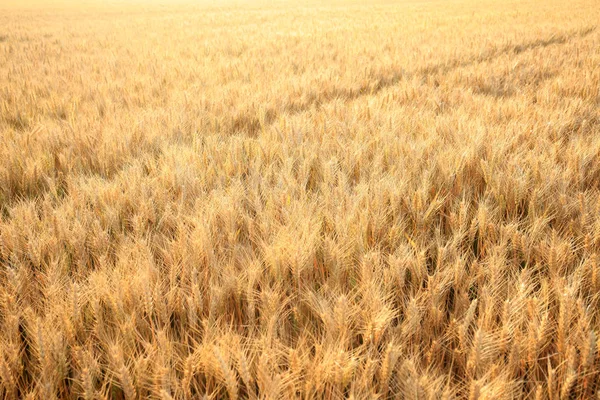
point(318, 199)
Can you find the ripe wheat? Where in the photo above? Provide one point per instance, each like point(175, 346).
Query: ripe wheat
point(300, 200)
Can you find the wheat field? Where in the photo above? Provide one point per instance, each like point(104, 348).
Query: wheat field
point(317, 199)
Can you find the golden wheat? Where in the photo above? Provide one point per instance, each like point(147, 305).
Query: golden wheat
point(300, 200)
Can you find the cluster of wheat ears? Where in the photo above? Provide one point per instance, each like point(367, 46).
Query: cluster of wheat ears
point(326, 200)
